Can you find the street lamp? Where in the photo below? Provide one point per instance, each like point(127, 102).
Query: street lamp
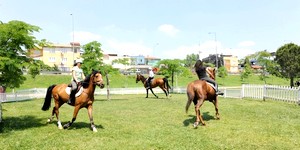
point(73, 35)
point(215, 34)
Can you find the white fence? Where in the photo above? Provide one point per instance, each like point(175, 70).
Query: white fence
point(273, 92)
point(263, 92)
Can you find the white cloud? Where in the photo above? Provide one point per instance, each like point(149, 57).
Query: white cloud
point(246, 44)
point(168, 29)
point(84, 37)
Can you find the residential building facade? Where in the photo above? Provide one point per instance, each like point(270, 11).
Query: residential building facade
point(60, 55)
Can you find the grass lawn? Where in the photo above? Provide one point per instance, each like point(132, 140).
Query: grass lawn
point(133, 122)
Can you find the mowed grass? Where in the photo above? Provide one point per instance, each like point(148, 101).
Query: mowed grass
point(134, 122)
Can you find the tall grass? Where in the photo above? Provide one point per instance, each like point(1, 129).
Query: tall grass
point(133, 122)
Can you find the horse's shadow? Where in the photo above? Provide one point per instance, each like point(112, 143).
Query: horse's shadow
point(20, 123)
point(82, 125)
point(192, 118)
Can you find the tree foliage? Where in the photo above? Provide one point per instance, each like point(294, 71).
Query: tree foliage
point(172, 66)
point(190, 60)
point(246, 73)
point(222, 72)
point(288, 58)
point(92, 57)
point(264, 59)
point(15, 38)
point(124, 61)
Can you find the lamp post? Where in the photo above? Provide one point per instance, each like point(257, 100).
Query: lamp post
point(215, 34)
point(72, 36)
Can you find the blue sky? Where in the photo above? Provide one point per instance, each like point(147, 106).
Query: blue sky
point(163, 28)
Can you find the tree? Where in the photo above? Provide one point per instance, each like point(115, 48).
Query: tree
point(92, 57)
point(263, 58)
point(247, 70)
point(190, 60)
point(172, 66)
point(15, 38)
point(222, 72)
point(288, 58)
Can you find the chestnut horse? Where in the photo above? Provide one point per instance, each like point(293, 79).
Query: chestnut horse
point(161, 82)
point(197, 92)
point(86, 98)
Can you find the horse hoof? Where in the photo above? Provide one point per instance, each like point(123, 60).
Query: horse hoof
point(49, 120)
point(66, 126)
point(95, 130)
point(60, 127)
point(195, 124)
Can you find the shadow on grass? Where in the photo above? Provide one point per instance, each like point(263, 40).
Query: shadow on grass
point(20, 123)
point(192, 119)
point(82, 125)
point(112, 99)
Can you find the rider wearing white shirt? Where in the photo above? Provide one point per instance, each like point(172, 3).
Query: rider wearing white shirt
point(151, 76)
point(77, 77)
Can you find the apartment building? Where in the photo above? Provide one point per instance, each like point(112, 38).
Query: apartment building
point(60, 55)
point(231, 63)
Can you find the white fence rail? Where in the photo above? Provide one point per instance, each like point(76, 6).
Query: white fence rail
point(273, 92)
point(262, 92)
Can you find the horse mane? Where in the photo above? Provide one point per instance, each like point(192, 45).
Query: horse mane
point(85, 82)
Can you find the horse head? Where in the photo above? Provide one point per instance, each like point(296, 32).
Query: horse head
point(97, 78)
point(211, 72)
point(138, 77)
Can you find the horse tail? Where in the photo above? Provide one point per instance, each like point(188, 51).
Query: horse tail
point(190, 94)
point(48, 97)
point(167, 84)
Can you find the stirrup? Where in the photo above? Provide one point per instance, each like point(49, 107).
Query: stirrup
point(219, 93)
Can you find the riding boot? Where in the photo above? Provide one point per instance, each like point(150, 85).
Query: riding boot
point(218, 92)
point(72, 97)
point(148, 85)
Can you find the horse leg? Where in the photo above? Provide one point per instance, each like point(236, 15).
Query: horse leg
point(52, 116)
point(76, 109)
point(147, 93)
point(90, 110)
point(215, 102)
point(56, 112)
point(153, 93)
point(166, 92)
point(198, 113)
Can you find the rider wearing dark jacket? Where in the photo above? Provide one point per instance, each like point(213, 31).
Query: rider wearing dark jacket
point(202, 75)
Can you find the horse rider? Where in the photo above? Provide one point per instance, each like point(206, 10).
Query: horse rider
point(150, 77)
point(202, 75)
point(77, 77)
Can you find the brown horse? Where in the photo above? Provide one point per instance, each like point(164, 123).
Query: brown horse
point(197, 92)
point(86, 98)
point(161, 82)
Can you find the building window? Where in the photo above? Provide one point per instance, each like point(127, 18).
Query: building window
point(64, 59)
point(51, 59)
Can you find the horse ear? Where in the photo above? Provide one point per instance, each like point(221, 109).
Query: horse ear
point(93, 69)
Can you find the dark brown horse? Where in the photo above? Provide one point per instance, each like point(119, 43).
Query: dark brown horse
point(86, 98)
point(197, 92)
point(161, 82)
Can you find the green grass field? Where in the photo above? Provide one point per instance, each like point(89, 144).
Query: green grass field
point(133, 122)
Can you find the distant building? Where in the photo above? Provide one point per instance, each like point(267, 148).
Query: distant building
point(152, 61)
point(231, 63)
point(60, 55)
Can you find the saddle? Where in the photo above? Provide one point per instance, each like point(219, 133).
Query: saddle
point(79, 89)
point(210, 84)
